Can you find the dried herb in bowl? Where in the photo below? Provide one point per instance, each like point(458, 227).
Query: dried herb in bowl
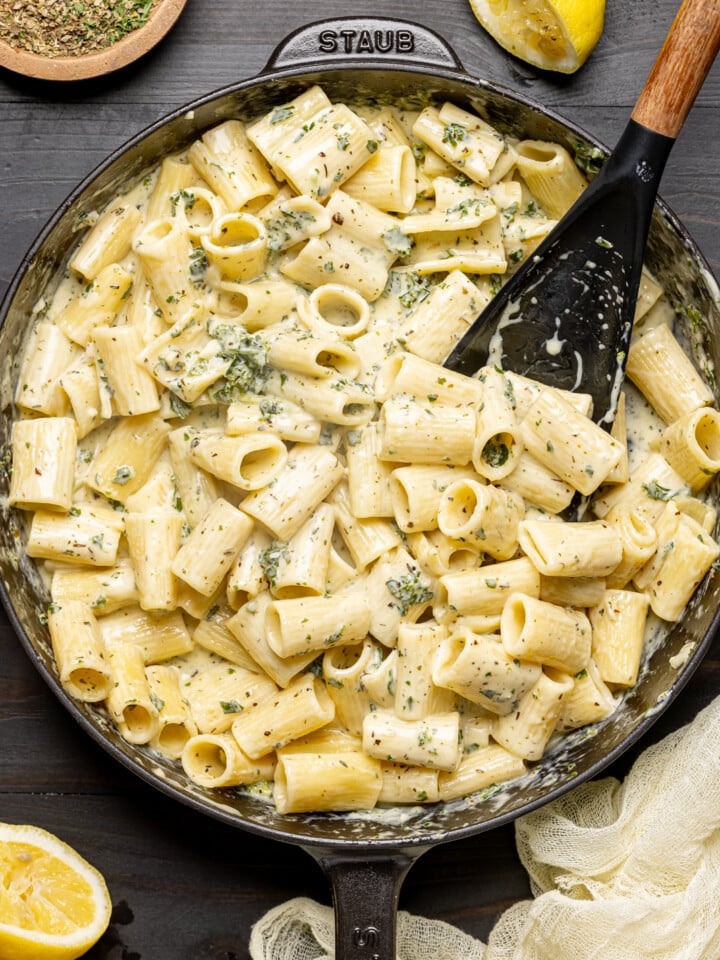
point(70, 28)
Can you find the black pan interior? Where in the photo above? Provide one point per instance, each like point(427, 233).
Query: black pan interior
point(673, 258)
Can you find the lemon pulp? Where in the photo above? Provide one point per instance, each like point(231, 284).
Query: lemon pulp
point(551, 34)
point(53, 904)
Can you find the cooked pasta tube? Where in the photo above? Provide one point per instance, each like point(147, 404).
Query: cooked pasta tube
point(250, 461)
point(572, 591)
point(592, 549)
point(108, 240)
point(226, 159)
point(296, 626)
point(413, 431)
point(299, 567)
point(215, 760)
point(173, 190)
point(236, 246)
point(404, 373)
point(313, 355)
point(304, 706)
point(477, 667)
point(326, 781)
point(86, 535)
point(691, 445)
point(442, 318)
point(571, 445)
point(700, 511)
point(551, 174)
point(176, 725)
point(48, 355)
point(638, 539)
point(386, 180)
point(366, 540)
point(438, 554)
point(486, 767)
point(404, 784)
point(341, 569)
point(336, 309)
point(485, 516)
point(153, 541)
point(222, 692)
point(356, 251)
point(543, 633)
point(333, 399)
point(679, 566)
point(97, 305)
point(621, 471)
point(498, 444)
point(283, 418)
point(106, 589)
point(133, 389)
point(82, 662)
point(213, 635)
point(158, 637)
point(396, 590)
point(485, 591)
point(43, 463)
point(461, 138)
point(618, 624)
point(431, 742)
point(129, 702)
point(248, 628)
point(210, 550)
point(125, 462)
point(164, 250)
point(416, 492)
point(289, 220)
point(416, 694)
point(309, 475)
point(197, 490)
point(343, 669)
point(369, 478)
point(257, 304)
point(664, 374)
point(319, 154)
point(380, 682)
point(247, 576)
point(81, 385)
point(526, 731)
point(652, 483)
point(197, 605)
point(589, 701)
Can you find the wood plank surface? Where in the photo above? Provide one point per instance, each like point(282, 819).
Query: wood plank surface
point(185, 887)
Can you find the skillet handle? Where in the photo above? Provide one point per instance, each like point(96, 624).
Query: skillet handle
point(365, 896)
point(363, 38)
point(681, 67)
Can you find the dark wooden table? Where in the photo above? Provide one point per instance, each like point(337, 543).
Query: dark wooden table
point(183, 886)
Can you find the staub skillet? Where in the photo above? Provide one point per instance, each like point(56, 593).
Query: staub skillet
point(365, 857)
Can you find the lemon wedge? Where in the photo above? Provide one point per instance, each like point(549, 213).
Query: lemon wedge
point(550, 34)
point(53, 904)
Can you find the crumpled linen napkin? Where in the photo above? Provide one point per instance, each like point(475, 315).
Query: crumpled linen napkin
point(619, 871)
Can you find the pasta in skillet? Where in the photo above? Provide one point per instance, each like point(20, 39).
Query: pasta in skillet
point(284, 545)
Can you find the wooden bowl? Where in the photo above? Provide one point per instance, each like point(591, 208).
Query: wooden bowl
point(130, 48)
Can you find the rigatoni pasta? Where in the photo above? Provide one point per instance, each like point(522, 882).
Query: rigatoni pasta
point(283, 543)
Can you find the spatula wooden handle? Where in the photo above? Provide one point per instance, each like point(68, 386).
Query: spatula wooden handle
point(681, 67)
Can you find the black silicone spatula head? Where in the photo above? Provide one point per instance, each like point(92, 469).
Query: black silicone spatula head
point(565, 318)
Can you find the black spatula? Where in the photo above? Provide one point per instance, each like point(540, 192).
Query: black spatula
point(565, 317)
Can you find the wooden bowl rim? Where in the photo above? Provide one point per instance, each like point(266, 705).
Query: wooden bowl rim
point(125, 51)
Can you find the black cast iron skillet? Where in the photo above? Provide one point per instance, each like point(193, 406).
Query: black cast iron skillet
point(365, 857)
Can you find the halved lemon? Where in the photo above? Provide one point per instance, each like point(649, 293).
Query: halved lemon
point(550, 34)
point(53, 904)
